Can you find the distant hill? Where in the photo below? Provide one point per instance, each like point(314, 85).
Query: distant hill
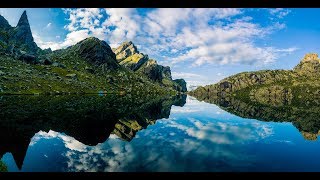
point(270, 86)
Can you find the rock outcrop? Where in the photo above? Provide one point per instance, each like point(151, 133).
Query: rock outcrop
point(134, 62)
point(309, 65)
point(96, 52)
point(22, 37)
point(182, 85)
point(125, 50)
point(129, 57)
point(17, 41)
point(4, 24)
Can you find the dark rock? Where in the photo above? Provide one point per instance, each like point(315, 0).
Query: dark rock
point(46, 61)
point(28, 58)
point(2, 73)
point(96, 52)
point(22, 37)
point(56, 64)
point(75, 68)
point(72, 76)
point(90, 70)
point(182, 85)
point(152, 70)
point(4, 23)
point(166, 72)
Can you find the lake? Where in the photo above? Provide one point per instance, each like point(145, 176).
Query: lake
point(169, 134)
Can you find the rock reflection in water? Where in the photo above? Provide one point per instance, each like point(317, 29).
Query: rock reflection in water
point(304, 115)
point(88, 119)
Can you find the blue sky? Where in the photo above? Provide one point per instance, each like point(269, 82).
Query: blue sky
point(200, 45)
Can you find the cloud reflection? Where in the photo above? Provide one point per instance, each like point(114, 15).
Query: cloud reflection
point(184, 144)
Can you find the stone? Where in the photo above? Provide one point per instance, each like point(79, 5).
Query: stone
point(46, 61)
point(90, 70)
point(56, 64)
point(28, 58)
point(72, 76)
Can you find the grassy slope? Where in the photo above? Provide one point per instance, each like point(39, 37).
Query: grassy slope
point(22, 78)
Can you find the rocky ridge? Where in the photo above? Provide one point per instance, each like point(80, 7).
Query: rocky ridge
point(302, 81)
point(128, 56)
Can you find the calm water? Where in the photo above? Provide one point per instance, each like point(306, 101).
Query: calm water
point(179, 134)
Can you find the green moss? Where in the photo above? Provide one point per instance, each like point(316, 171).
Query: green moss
point(3, 167)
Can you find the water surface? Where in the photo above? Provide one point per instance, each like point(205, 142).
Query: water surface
point(124, 134)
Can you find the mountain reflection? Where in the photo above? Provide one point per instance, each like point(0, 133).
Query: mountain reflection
point(303, 114)
point(88, 119)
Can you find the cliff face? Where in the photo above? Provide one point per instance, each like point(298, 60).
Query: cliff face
point(18, 40)
point(129, 57)
point(303, 76)
point(96, 52)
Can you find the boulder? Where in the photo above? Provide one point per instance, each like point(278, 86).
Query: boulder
point(90, 70)
point(30, 59)
point(56, 64)
point(72, 76)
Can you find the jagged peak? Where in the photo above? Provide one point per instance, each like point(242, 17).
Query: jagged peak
point(127, 45)
point(23, 20)
point(310, 57)
point(4, 23)
point(125, 50)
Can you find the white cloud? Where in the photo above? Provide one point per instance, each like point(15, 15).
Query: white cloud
point(48, 25)
point(279, 12)
point(46, 44)
point(75, 36)
point(193, 36)
point(192, 78)
point(185, 75)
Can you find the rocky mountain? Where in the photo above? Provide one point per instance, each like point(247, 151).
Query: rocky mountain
point(17, 41)
point(302, 81)
point(128, 56)
point(21, 35)
point(96, 52)
point(125, 50)
point(90, 66)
